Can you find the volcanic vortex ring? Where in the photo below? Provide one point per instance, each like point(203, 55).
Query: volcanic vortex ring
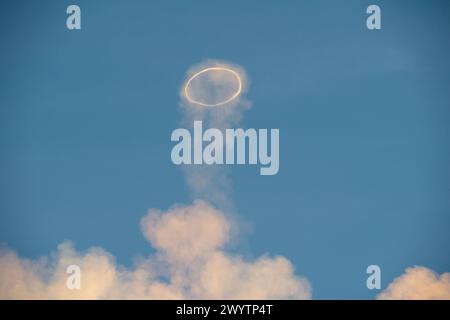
point(234, 96)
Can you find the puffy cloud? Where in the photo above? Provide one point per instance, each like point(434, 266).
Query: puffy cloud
point(418, 283)
point(190, 263)
point(186, 233)
point(228, 277)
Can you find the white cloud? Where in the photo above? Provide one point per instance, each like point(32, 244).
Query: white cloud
point(418, 283)
point(190, 263)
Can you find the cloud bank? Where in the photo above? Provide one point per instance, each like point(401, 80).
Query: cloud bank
point(418, 283)
point(190, 263)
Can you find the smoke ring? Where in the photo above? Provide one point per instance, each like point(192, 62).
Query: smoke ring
point(234, 96)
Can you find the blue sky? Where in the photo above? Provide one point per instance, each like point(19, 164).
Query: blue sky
point(86, 118)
